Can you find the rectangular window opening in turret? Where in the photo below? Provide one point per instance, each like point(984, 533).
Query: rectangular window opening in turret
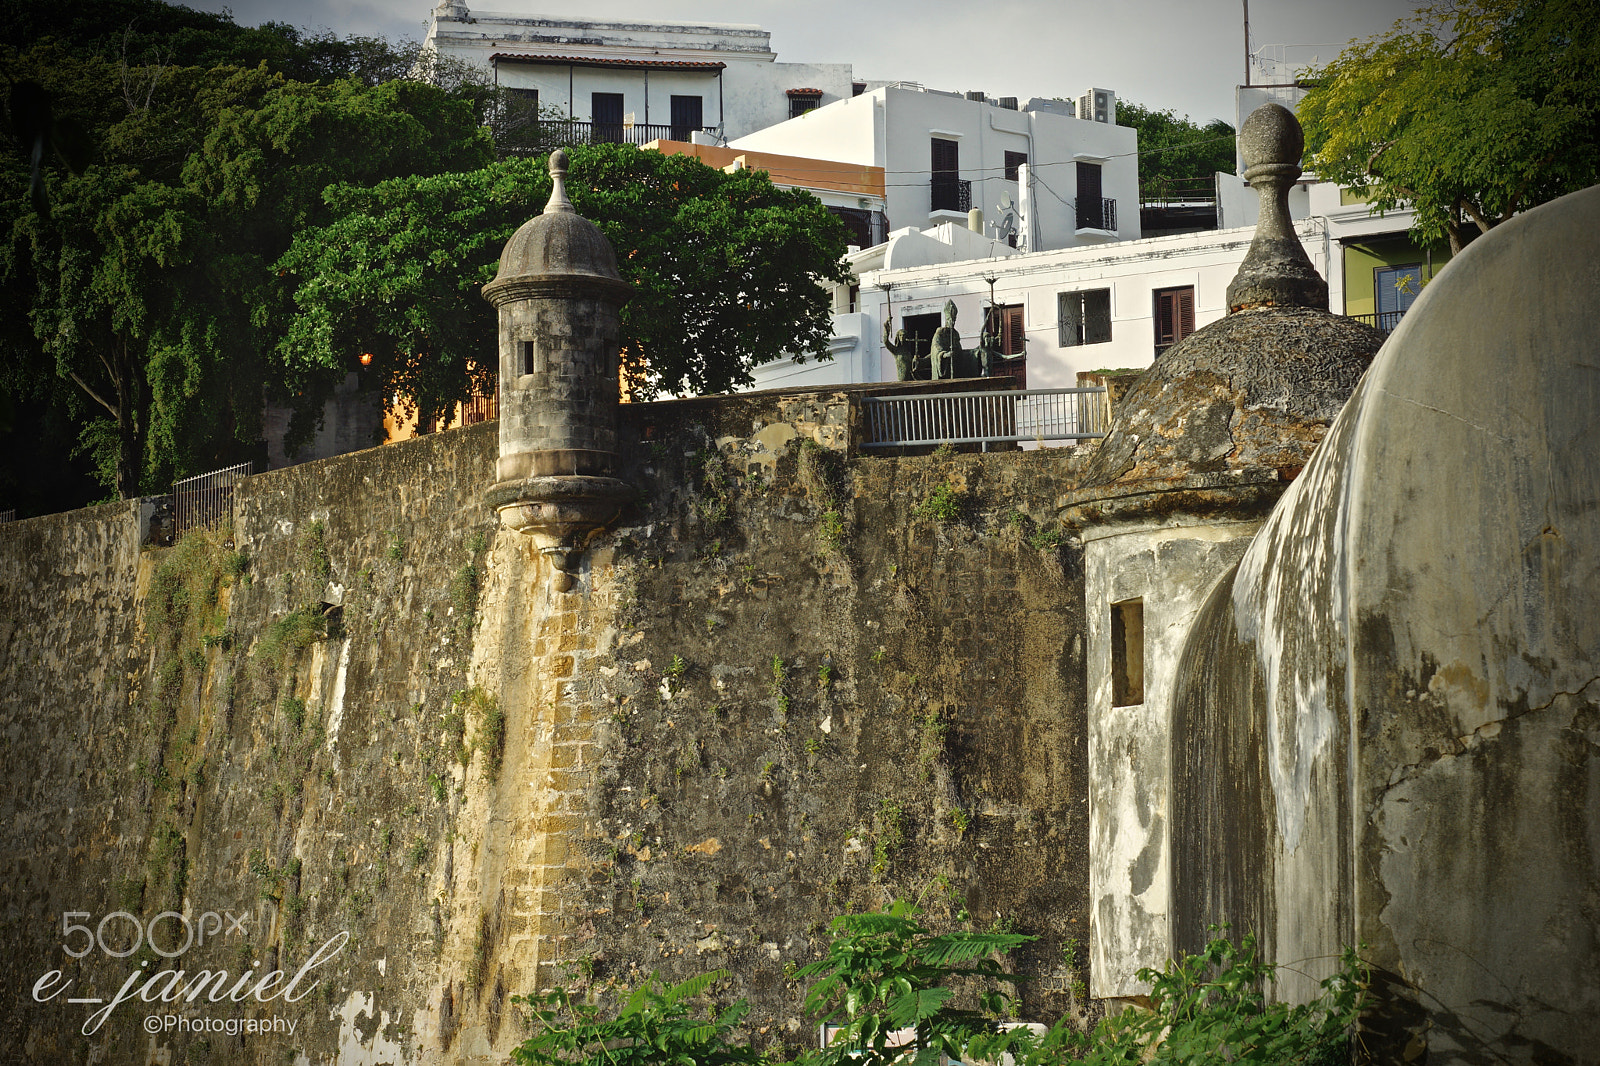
point(527, 357)
point(1127, 653)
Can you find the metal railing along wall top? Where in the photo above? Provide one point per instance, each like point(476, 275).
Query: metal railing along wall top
point(985, 417)
point(205, 499)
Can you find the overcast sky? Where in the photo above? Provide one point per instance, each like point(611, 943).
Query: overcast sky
point(1185, 55)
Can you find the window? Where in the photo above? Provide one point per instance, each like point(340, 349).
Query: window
point(1013, 161)
point(946, 170)
point(686, 117)
point(1091, 205)
point(516, 124)
point(857, 222)
point(1127, 653)
point(1396, 288)
point(1013, 343)
point(1012, 340)
point(606, 112)
point(803, 100)
point(1174, 314)
point(1084, 317)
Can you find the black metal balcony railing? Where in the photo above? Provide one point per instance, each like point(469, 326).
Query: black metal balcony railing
point(951, 194)
point(538, 138)
point(1383, 320)
point(1097, 214)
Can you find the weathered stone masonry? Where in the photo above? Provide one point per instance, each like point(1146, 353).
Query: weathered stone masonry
point(644, 817)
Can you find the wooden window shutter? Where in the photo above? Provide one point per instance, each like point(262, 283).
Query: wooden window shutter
point(1164, 318)
point(1185, 312)
point(1012, 341)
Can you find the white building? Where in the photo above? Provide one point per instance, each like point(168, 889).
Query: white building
point(1074, 181)
point(1067, 311)
point(636, 81)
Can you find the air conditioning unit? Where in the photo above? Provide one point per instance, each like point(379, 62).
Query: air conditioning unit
point(1098, 105)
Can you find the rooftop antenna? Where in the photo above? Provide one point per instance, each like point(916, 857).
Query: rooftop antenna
point(1247, 43)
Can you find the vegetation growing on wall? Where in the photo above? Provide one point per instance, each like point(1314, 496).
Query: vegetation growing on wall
point(897, 993)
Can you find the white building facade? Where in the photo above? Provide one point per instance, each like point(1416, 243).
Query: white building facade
point(1072, 181)
point(1068, 311)
point(636, 81)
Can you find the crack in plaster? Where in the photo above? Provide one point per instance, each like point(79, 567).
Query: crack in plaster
point(1411, 770)
point(1448, 414)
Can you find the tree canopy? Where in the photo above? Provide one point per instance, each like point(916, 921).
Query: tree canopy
point(1467, 112)
point(150, 284)
point(727, 270)
point(1176, 155)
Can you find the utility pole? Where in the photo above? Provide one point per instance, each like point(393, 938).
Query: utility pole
point(1247, 43)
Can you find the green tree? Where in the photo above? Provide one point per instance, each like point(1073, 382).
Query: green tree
point(1176, 155)
point(1466, 112)
point(151, 284)
point(727, 272)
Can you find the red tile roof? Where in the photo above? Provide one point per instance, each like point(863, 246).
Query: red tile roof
point(802, 92)
point(600, 61)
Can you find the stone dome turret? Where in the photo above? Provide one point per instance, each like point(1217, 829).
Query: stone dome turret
point(560, 243)
point(1247, 398)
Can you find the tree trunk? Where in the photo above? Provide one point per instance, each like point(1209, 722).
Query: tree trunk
point(130, 435)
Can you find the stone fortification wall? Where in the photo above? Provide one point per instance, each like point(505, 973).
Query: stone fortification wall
point(361, 722)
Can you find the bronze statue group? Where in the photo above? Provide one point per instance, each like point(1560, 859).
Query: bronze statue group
point(946, 358)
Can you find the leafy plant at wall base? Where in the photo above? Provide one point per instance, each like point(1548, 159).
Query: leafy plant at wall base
point(885, 972)
point(944, 504)
point(1206, 1008)
point(653, 1027)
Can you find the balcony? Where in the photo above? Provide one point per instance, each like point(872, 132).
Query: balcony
point(1383, 320)
point(1098, 213)
point(950, 193)
point(538, 138)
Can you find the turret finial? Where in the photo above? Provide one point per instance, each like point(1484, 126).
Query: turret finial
point(558, 184)
point(1276, 271)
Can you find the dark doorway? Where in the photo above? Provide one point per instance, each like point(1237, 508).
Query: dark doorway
point(606, 112)
point(686, 117)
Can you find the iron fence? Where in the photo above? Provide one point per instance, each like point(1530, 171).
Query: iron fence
point(8, 516)
point(985, 417)
point(1384, 320)
point(205, 499)
point(1177, 192)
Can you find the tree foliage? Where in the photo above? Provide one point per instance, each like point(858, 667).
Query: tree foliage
point(1177, 154)
point(150, 284)
point(727, 272)
point(1467, 112)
